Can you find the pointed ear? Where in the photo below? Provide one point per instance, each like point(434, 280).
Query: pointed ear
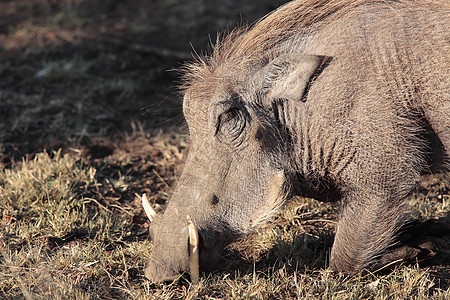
point(288, 76)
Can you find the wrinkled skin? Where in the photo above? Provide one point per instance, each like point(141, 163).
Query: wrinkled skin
point(235, 143)
point(358, 118)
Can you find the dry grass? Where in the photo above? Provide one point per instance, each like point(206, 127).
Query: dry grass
point(43, 210)
point(57, 242)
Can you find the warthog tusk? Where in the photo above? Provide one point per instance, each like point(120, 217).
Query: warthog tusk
point(194, 263)
point(151, 213)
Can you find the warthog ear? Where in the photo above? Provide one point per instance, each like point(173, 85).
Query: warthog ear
point(288, 76)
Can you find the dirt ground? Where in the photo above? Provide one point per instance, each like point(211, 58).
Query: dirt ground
point(98, 80)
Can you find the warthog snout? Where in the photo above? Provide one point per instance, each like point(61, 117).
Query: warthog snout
point(160, 269)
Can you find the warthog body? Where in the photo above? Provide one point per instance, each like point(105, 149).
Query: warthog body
point(340, 100)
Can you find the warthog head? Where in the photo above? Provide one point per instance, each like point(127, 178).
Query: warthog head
point(239, 168)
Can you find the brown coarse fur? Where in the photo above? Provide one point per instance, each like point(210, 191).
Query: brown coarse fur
point(343, 100)
point(242, 46)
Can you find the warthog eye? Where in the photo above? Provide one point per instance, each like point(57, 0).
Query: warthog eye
point(230, 125)
point(228, 116)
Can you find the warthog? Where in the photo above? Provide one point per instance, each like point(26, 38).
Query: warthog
point(339, 100)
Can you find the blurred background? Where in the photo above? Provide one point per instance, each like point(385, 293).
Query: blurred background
point(73, 70)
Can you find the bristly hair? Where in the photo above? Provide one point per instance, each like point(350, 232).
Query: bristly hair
point(246, 46)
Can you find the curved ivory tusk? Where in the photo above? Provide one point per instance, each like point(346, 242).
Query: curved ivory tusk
point(151, 213)
point(194, 263)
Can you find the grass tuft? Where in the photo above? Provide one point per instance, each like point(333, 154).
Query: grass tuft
point(41, 194)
